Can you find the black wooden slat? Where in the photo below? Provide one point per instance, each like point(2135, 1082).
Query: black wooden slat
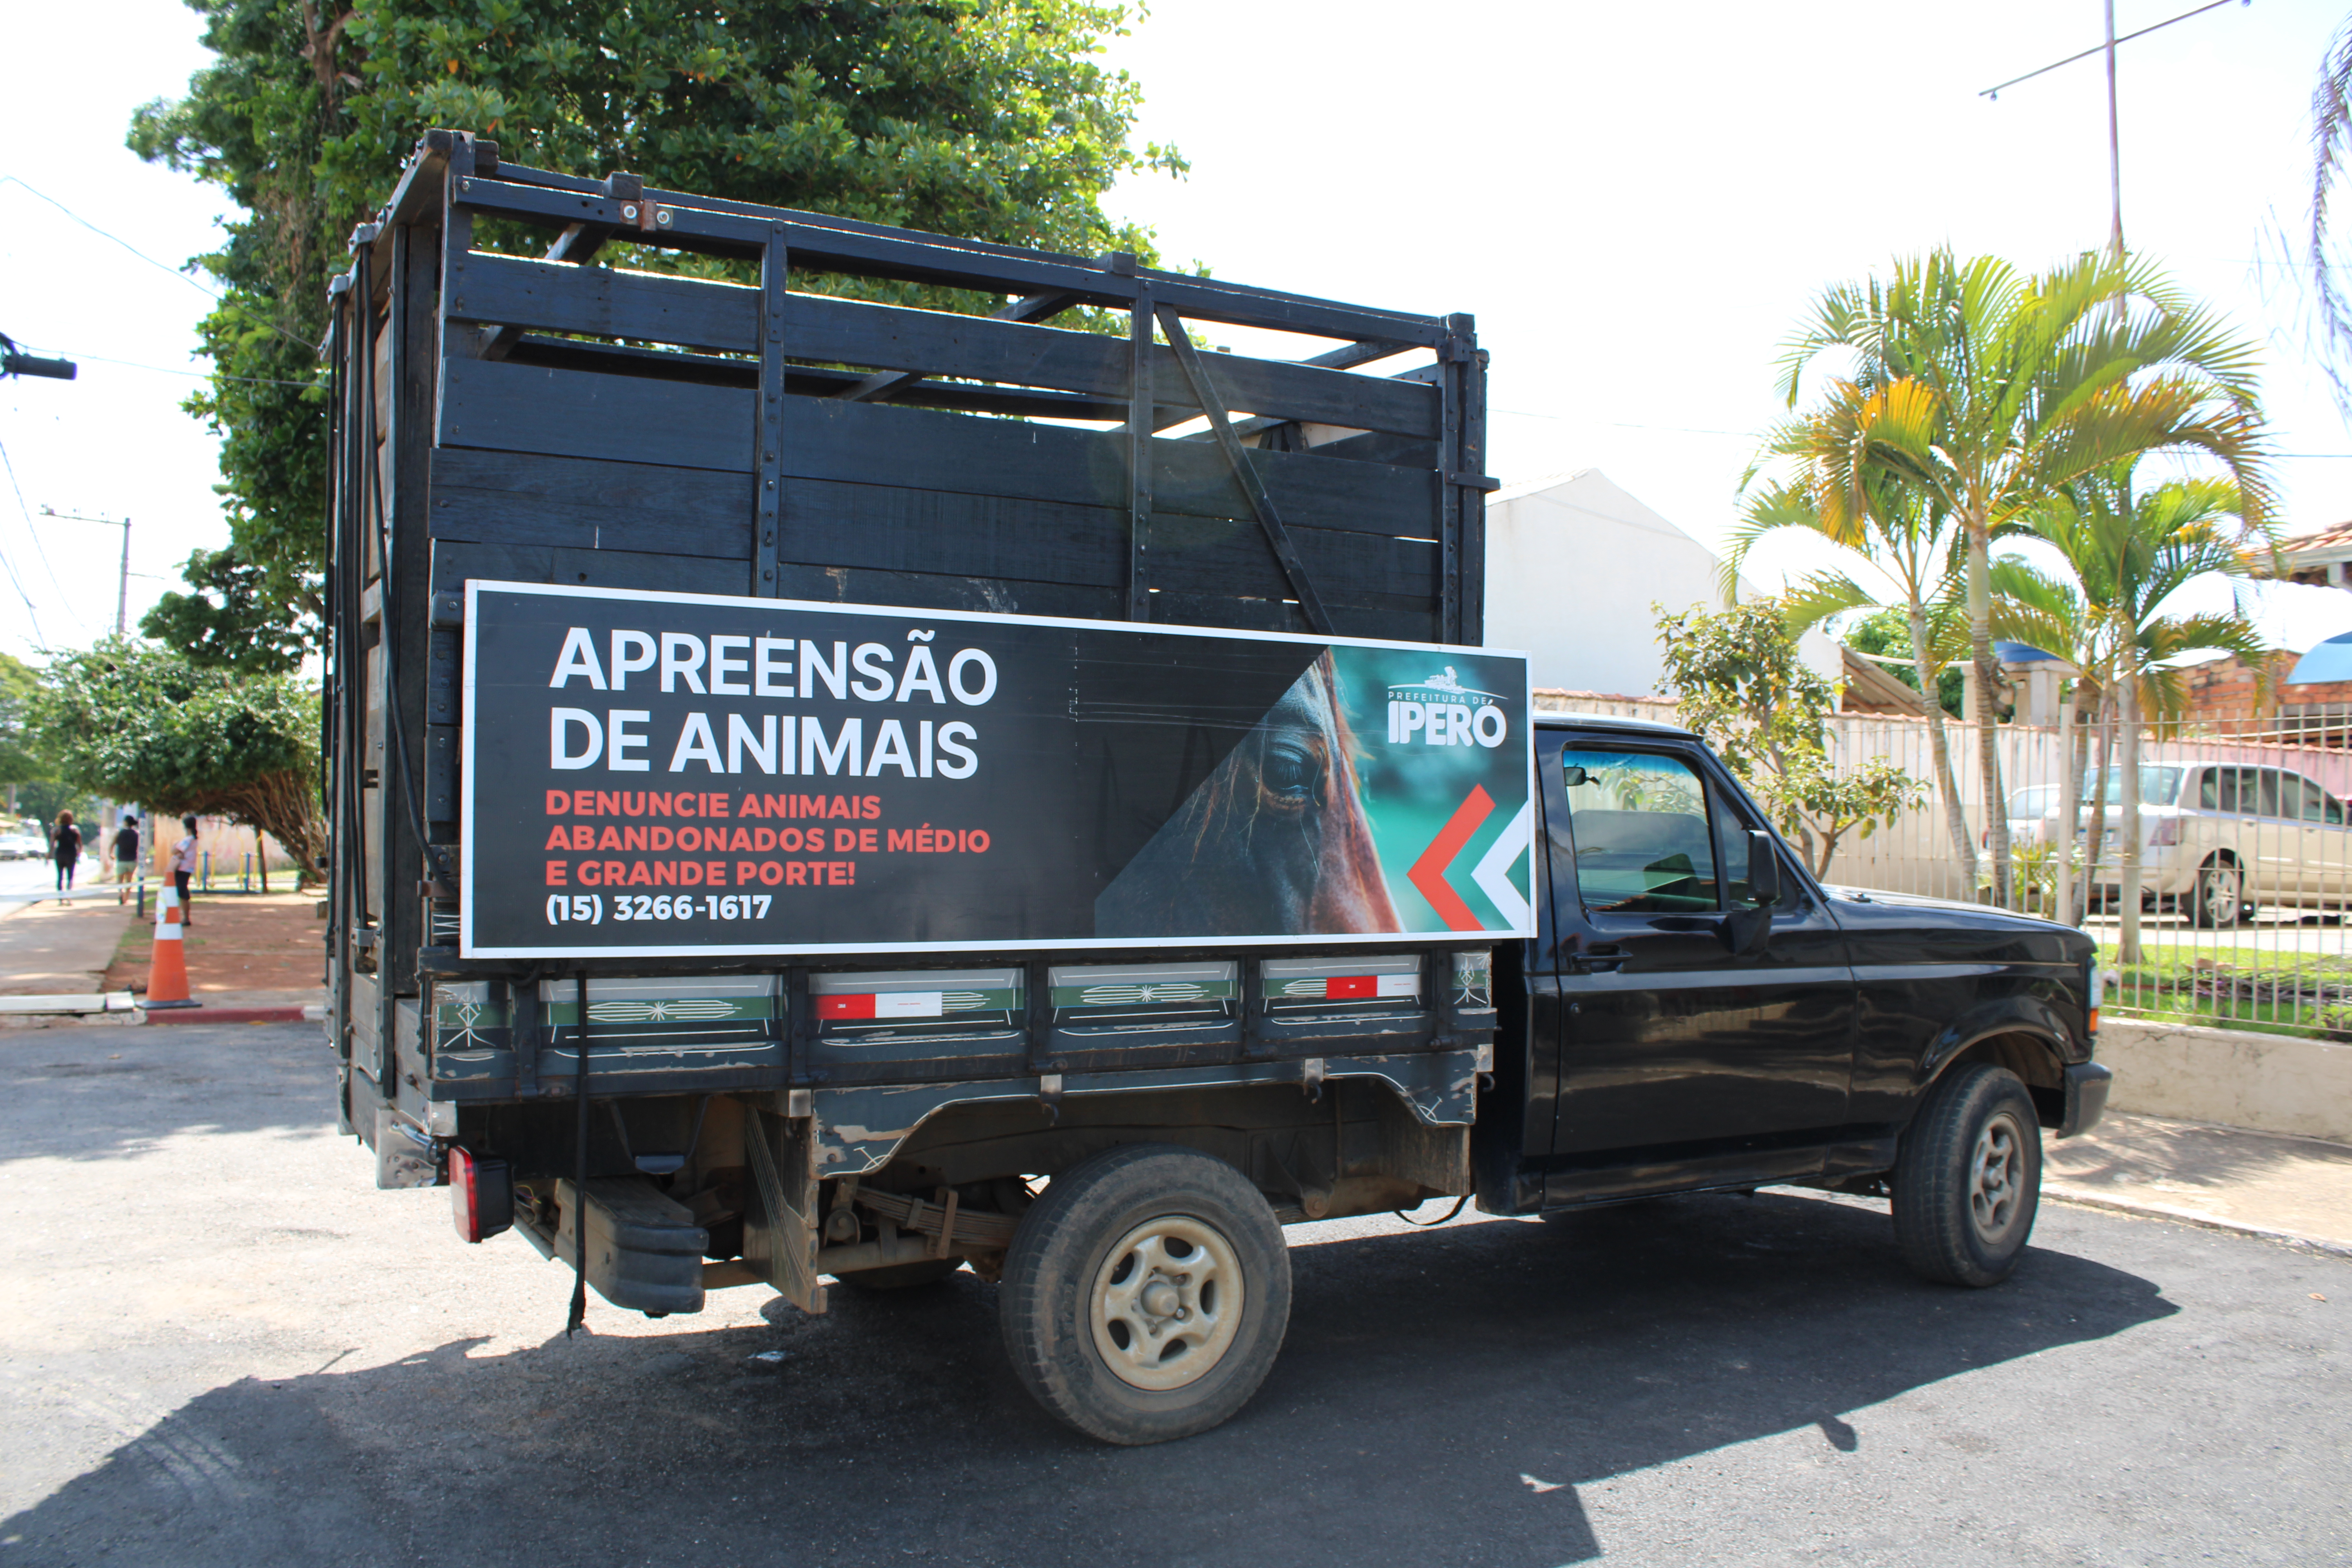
point(939, 591)
point(916, 258)
point(456, 561)
point(516, 499)
point(527, 408)
point(1401, 624)
point(563, 413)
point(724, 316)
point(505, 291)
point(884, 528)
point(520, 497)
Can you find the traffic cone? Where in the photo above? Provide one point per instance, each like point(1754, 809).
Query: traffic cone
point(167, 975)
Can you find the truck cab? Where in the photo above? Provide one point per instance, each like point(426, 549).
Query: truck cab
point(1697, 1011)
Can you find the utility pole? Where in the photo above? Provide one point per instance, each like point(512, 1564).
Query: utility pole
point(122, 587)
point(2115, 152)
point(2115, 142)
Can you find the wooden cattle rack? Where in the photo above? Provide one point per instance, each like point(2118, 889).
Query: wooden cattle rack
point(546, 419)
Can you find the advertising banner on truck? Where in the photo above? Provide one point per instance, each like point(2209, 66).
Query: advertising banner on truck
point(670, 775)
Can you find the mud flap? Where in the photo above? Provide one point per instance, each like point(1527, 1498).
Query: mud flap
point(780, 1234)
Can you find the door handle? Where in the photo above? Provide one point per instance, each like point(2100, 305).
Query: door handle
point(1600, 960)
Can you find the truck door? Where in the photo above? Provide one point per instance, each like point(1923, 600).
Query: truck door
point(1689, 1032)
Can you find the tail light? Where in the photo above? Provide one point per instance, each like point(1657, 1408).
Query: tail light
point(2164, 832)
point(481, 1195)
point(2098, 983)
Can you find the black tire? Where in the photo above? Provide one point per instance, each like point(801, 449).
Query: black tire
point(1105, 1234)
point(1968, 1181)
point(2218, 898)
point(900, 1276)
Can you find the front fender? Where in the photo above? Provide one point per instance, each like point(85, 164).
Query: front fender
point(2027, 1015)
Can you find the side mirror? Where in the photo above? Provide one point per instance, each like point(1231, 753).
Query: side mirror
point(1572, 775)
point(1763, 866)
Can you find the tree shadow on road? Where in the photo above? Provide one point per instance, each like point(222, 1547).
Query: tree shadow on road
point(1441, 1398)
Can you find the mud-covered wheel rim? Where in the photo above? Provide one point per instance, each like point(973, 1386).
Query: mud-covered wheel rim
point(1167, 1303)
point(1997, 1178)
point(2221, 895)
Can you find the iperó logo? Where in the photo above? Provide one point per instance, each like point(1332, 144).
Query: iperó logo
point(1442, 711)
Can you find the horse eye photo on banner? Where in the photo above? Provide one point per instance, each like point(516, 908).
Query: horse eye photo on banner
point(1383, 792)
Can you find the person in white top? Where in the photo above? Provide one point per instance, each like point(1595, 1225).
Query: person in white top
point(184, 864)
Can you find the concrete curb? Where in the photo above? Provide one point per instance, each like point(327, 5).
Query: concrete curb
point(2084, 1198)
point(233, 1015)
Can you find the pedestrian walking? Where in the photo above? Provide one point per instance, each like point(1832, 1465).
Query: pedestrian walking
point(126, 856)
point(184, 864)
point(65, 849)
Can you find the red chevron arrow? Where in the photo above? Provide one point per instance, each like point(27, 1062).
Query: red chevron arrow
point(1428, 873)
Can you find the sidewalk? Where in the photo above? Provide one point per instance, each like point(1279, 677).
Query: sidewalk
point(2256, 1182)
point(47, 949)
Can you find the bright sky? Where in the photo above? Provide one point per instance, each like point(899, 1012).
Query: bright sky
point(1636, 201)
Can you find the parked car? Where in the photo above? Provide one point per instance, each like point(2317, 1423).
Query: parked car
point(2216, 838)
point(23, 846)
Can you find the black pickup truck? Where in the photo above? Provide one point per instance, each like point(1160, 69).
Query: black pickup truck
point(1650, 996)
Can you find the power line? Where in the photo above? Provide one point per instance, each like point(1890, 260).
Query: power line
point(164, 266)
point(183, 276)
point(197, 374)
point(2102, 48)
point(41, 549)
point(10, 565)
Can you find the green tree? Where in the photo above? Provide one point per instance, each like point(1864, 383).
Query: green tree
point(19, 763)
point(136, 722)
point(1887, 631)
point(229, 621)
point(989, 118)
point(1988, 390)
point(2128, 552)
point(1898, 531)
point(1737, 681)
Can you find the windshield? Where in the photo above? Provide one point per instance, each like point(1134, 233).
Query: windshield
point(2157, 786)
point(2039, 800)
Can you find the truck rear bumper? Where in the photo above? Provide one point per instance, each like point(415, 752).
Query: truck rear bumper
point(2086, 1097)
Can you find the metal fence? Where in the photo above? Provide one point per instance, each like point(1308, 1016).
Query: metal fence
point(2246, 850)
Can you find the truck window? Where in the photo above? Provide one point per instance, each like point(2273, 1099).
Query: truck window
point(1640, 824)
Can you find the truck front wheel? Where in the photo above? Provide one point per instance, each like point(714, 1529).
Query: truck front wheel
point(1969, 1179)
point(1146, 1294)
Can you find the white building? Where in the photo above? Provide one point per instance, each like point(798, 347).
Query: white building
point(1573, 564)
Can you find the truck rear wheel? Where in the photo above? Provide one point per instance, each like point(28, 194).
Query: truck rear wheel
point(1146, 1295)
point(1967, 1182)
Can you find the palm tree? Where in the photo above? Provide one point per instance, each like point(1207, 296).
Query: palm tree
point(2331, 151)
point(1882, 522)
point(1990, 390)
point(2128, 552)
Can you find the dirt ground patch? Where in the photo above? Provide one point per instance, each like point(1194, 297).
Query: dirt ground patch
point(261, 948)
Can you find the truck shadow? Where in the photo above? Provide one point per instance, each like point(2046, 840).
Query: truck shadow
point(103, 1089)
point(1441, 1399)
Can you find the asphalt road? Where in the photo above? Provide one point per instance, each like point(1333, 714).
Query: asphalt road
point(222, 1346)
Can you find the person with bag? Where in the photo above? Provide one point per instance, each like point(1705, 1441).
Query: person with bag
point(65, 849)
